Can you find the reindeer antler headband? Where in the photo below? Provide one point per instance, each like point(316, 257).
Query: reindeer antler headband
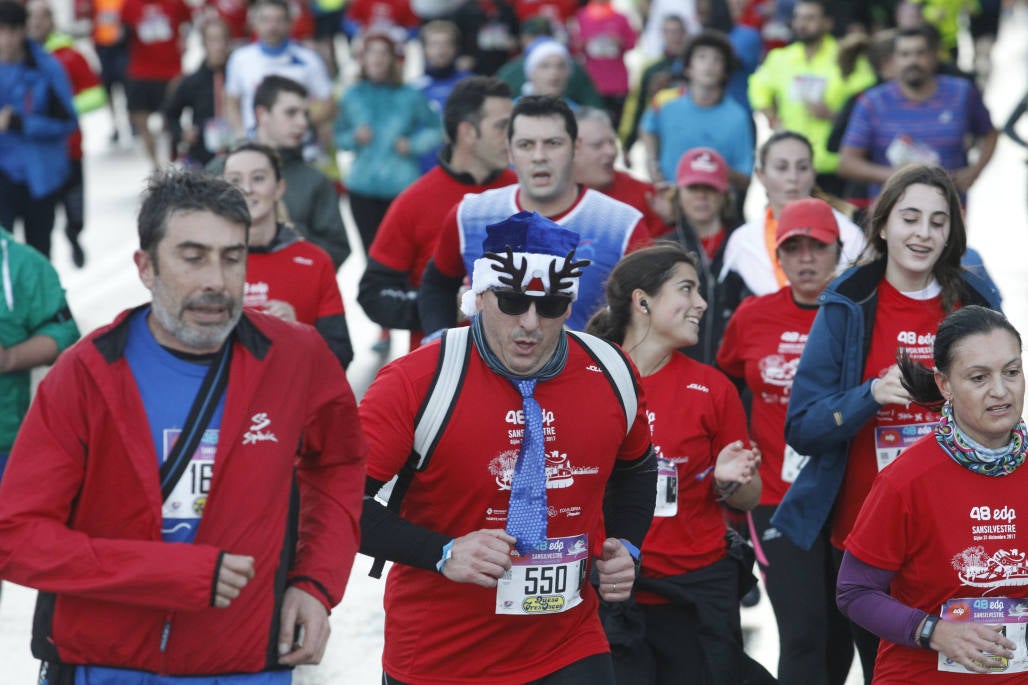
point(526, 252)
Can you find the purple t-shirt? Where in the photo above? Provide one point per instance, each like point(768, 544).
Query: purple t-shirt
point(895, 131)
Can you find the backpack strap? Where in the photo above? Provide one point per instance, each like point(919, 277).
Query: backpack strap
point(617, 369)
point(435, 411)
point(431, 419)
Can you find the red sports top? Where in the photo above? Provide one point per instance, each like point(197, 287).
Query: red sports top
point(408, 233)
point(554, 10)
point(382, 13)
point(154, 47)
point(301, 274)
point(900, 321)
point(82, 78)
point(438, 631)
point(949, 534)
point(694, 411)
point(762, 344)
point(636, 193)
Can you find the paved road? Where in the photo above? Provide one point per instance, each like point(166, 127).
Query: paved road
point(108, 284)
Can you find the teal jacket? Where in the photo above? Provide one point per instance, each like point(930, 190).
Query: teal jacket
point(392, 112)
point(32, 304)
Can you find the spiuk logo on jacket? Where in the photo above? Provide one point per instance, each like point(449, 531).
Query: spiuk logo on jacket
point(257, 432)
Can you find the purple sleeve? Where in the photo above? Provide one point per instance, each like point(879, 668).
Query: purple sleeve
point(978, 116)
point(863, 597)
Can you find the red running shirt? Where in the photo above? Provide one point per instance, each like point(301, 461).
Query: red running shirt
point(438, 632)
point(763, 343)
point(694, 411)
point(301, 274)
point(948, 534)
point(154, 47)
point(900, 321)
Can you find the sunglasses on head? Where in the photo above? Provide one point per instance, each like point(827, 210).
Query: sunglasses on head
point(546, 306)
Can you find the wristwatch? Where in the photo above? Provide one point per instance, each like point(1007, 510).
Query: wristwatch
point(924, 637)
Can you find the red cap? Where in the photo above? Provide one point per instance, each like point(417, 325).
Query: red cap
point(810, 217)
point(702, 166)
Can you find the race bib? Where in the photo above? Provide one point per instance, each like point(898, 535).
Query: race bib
point(155, 29)
point(603, 47)
point(808, 88)
point(667, 488)
point(183, 508)
point(890, 441)
point(546, 581)
point(792, 463)
point(904, 150)
point(217, 135)
point(1012, 614)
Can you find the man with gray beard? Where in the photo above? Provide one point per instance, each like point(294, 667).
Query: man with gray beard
point(186, 410)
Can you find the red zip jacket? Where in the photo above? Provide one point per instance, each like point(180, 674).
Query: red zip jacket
point(80, 504)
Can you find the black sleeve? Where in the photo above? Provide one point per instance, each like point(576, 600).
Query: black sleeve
point(388, 297)
point(629, 500)
point(385, 535)
point(437, 299)
point(335, 332)
point(839, 124)
point(175, 105)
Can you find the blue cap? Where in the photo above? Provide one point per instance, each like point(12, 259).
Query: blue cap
point(530, 233)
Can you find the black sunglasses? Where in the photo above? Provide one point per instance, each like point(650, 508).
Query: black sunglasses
point(546, 306)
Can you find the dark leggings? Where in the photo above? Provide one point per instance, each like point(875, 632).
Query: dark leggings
point(368, 213)
point(37, 214)
point(695, 641)
point(592, 670)
point(816, 647)
point(671, 653)
point(73, 198)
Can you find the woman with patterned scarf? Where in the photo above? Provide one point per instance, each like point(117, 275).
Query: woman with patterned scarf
point(935, 564)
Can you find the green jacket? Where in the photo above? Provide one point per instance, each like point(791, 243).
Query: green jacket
point(787, 79)
point(580, 87)
point(32, 304)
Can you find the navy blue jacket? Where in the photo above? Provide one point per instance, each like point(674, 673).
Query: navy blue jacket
point(830, 401)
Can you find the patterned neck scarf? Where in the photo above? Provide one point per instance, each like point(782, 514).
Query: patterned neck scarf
point(976, 457)
point(550, 369)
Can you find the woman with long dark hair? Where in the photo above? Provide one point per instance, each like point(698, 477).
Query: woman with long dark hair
point(689, 586)
point(848, 410)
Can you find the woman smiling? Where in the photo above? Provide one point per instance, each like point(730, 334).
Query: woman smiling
point(848, 409)
point(688, 588)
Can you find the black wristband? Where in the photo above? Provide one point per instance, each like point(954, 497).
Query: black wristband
point(924, 636)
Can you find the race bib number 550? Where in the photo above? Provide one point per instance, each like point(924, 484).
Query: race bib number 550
point(545, 581)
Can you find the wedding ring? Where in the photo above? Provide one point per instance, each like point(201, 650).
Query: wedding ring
point(613, 587)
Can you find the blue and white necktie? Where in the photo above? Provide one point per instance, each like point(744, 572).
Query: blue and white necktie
point(526, 514)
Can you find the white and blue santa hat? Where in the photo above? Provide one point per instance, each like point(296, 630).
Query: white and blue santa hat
point(526, 252)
